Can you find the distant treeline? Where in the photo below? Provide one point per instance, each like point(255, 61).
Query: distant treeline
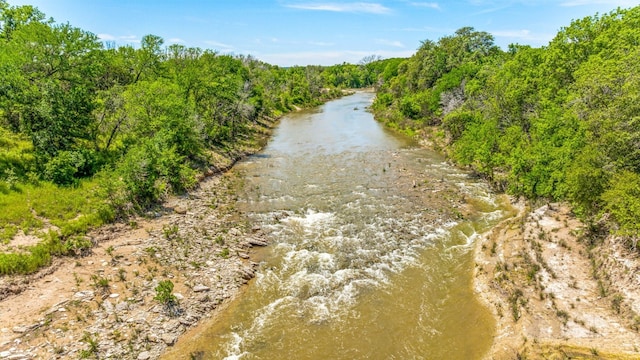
point(72, 107)
point(560, 122)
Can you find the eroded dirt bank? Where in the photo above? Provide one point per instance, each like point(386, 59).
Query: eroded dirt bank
point(555, 293)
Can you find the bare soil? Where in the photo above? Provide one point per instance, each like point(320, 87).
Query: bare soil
point(555, 293)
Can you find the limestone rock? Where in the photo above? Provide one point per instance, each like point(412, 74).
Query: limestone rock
point(169, 339)
point(200, 288)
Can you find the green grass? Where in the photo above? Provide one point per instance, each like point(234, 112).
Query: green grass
point(32, 258)
point(74, 210)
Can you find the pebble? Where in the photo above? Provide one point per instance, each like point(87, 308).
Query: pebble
point(256, 242)
point(171, 325)
point(108, 306)
point(20, 329)
point(113, 296)
point(200, 288)
point(18, 357)
point(122, 306)
point(145, 355)
point(169, 339)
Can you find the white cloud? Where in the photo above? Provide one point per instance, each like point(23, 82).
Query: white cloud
point(393, 43)
point(326, 58)
point(357, 7)
point(106, 37)
point(133, 39)
point(320, 43)
point(175, 40)
point(431, 5)
point(612, 3)
point(222, 46)
point(523, 35)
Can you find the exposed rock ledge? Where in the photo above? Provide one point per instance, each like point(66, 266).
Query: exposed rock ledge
point(555, 296)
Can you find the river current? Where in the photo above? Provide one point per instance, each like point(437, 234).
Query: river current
point(371, 253)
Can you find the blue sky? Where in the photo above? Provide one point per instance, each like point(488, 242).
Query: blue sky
point(303, 32)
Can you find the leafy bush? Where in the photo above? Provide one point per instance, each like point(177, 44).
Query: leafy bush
point(164, 295)
point(63, 168)
point(622, 200)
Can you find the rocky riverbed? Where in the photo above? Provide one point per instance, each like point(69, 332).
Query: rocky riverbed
point(103, 305)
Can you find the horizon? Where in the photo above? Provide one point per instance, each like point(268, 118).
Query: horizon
point(326, 33)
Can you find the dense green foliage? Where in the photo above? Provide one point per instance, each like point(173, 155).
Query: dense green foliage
point(558, 122)
point(90, 132)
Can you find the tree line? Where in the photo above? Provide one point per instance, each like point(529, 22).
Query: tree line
point(91, 131)
point(146, 115)
point(559, 122)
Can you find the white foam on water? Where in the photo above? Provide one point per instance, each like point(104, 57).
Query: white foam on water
point(233, 348)
point(311, 219)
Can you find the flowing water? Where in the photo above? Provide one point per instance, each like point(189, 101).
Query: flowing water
point(371, 253)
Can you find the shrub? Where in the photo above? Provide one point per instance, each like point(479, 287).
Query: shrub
point(622, 200)
point(164, 295)
point(63, 168)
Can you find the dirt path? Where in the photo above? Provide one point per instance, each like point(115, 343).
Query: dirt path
point(553, 295)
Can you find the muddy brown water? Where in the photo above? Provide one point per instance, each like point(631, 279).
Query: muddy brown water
point(371, 253)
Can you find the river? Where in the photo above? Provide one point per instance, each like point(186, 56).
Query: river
point(371, 253)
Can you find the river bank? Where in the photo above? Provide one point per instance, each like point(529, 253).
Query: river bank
point(102, 305)
point(554, 294)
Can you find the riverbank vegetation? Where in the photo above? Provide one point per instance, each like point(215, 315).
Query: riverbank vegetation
point(91, 132)
point(559, 122)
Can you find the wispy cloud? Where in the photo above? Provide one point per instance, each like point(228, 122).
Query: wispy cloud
point(613, 3)
point(356, 7)
point(175, 41)
point(133, 39)
point(431, 5)
point(320, 43)
point(393, 43)
point(221, 46)
point(523, 34)
point(327, 58)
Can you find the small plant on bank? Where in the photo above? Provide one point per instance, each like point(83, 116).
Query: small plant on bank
point(616, 303)
point(170, 231)
point(122, 274)
point(100, 283)
point(77, 279)
point(93, 346)
point(165, 296)
point(224, 253)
